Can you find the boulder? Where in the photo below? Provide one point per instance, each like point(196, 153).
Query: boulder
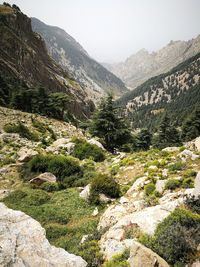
point(23, 243)
point(43, 177)
point(95, 212)
point(142, 256)
point(194, 144)
point(104, 199)
point(160, 186)
point(164, 173)
point(26, 154)
point(185, 154)
point(95, 142)
point(137, 185)
point(197, 185)
point(85, 193)
point(171, 149)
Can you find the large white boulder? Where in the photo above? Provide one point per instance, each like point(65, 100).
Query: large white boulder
point(44, 177)
point(141, 256)
point(171, 149)
point(23, 243)
point(95, 142)
point(137, 185)
point(26, 154)
point(186, 154)
point(85, 193)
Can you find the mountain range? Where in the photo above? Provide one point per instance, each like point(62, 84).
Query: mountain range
point(72, 57)
point(176, 92)
point(143, 65)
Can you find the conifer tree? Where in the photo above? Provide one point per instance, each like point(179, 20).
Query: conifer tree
point(191, 126)
point(107, 125)
point(167, 134)
point(144, 139)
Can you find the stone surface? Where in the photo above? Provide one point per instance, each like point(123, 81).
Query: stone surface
point(44, 177)
point(160, 185)
point(197, 185)
point(95, 142)
point(138, 184)
point(185, 154)
point(85, 193)
point(26, 154)
point(95, 212)
point(140, 256)
point(171, 149)
point(23, 243)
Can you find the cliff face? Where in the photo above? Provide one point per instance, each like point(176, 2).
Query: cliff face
point(143, 65)
point(24, 58)
point(71, 56)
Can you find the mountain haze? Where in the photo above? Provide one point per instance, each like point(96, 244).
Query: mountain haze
point(143, 65)
point(71, 56)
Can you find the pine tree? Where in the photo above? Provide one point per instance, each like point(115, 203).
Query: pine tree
point(144, 139)
point(191, 126)
point(107, 125)
point(167, 134)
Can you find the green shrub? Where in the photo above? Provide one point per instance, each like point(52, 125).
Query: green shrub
point(188, 182)
point(193, 203)
point(84, 150)
point(22, 130)
point(90, 252)
point(105, 184)
point(50, 187)
point(172, 184)
point(40, 126)
point(189, 173)
point(178, 166)
point(149, 189)
point(119, 260)
point(176, 238)
point(63, 167)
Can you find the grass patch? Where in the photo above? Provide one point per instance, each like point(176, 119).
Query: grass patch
point(65, 216)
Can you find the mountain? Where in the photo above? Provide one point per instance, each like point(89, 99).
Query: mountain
point(143, 65)
point(176, 92)
point(71, 56)
point(24, 62)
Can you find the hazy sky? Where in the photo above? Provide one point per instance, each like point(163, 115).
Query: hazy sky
point(112, 30)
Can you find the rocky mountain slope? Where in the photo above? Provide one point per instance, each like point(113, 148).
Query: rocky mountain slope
point(72, 57)
point(143, 65)
point(176, 91)
point(153, 184)
point(25, 63)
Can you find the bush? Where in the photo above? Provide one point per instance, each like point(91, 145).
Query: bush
point(149, 189)
point(188, 183)
point(193, 203)
point(119, 260)
point(176, 238)
point(63, 167)
point(84, 150)
point(172, 184)
point(178, 166)
point(189, 173)
point(50, 187)
point(22, 130)
point(90, 251)
point(105, 184)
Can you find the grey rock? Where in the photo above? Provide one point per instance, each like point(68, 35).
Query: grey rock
point(44, 177)
point(23, 243)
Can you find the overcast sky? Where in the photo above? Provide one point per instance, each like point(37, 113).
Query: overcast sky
point(112, 30)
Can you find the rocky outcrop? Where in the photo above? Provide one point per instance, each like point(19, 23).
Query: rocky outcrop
point(24, 62)
point(23, 243)
point(141, 256)
point(43, 177)
point(95, 142)
point(144, 65)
